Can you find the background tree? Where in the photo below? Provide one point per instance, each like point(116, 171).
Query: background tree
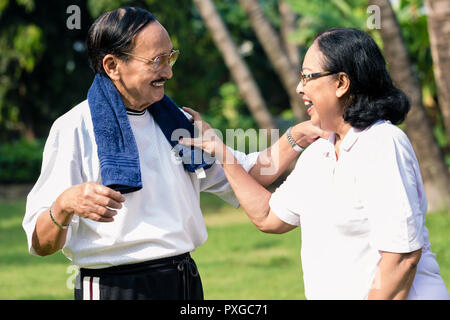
point(273, 48)
point(288, 26)
point(235, 63)
point(439, 30)
point(37, 65)
point(434, 170)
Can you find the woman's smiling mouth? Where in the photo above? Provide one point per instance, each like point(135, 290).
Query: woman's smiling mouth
point(309, 105)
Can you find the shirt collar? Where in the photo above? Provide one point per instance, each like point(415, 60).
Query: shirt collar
point(350, 139)
point(131, 112)
point(353, 134)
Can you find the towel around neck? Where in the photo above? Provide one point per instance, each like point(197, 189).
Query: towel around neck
point(116, 146)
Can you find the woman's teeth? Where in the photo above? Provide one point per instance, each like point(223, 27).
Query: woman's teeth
point(309, 105)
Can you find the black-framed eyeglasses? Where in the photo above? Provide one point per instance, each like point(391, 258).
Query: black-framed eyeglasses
point(305, 77)
point(158, 62)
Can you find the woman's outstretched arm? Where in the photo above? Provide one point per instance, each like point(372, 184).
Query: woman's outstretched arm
point(249, 188)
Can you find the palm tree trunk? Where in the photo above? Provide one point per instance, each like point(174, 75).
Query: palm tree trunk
point(272, 45)
point(288, 21)
point(435, 172)
point(237, 66)
point(439, 31)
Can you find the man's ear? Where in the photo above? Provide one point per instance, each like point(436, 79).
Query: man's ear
point(343, 84)
point(111, 66)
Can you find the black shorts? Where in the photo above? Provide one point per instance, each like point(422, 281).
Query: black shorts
point(172, 278)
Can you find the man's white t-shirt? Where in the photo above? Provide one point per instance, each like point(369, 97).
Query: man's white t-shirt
point(369, 200)
point(160, 220)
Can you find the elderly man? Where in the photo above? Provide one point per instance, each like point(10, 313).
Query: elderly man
point(110, 194)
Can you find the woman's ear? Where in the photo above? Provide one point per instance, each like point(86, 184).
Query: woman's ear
point(343, 84)
point(111, 66)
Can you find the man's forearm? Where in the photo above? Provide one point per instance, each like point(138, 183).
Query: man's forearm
point(48, 238)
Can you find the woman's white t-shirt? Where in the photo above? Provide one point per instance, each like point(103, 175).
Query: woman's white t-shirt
point(371, 199)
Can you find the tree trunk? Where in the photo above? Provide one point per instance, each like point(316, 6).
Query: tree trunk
point(237, 66)
point(439, 31)
point(272, 45)
point(288, 25)
point(435, 172)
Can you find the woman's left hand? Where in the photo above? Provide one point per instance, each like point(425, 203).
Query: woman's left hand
point(307, 132)
point(208, 140)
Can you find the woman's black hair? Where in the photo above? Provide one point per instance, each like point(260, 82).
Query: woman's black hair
point(372, 95)
point(113, 33)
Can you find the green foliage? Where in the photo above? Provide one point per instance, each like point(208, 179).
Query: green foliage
point(227, 110)
point(44, 67)
point(316, 16)
point(413, 22)
point(28, 45)
point(38, 58)
point(21, 49)
point(97, 7)
point(20, 161)
point(27, 4)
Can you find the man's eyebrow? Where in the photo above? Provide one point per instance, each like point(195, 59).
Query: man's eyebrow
point(162, 53)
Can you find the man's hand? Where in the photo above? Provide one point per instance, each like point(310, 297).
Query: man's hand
point(90, 200)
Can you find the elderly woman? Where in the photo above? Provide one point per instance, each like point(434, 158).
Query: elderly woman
point(358, 196)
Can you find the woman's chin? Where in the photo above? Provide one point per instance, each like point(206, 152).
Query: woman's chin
point(315, 120)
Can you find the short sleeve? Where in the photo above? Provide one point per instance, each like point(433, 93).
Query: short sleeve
point(60, 170)
point(282, 200)
point(396, 202)
point(216, 181)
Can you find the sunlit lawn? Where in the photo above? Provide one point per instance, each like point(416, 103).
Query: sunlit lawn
point(236, 262)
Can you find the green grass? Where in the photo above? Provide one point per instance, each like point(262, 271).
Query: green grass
point(236, 262)
point(240, 262)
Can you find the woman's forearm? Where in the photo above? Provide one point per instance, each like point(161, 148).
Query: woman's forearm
point(395, 275)
point(273, 161)
point(252, 197)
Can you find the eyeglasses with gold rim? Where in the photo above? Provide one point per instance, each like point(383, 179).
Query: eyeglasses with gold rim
point(161, 60)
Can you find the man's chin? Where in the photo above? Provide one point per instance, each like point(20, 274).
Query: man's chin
point(156, 97)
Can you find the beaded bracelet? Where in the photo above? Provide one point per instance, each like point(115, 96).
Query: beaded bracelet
point(62, 227)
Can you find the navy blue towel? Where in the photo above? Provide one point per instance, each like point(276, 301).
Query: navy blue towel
point(116, 146)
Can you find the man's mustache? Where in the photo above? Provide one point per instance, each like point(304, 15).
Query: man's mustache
point(160, 80)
